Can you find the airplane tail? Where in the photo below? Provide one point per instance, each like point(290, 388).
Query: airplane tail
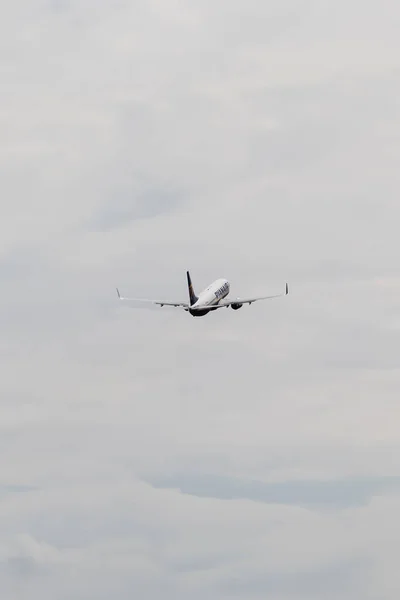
point(192, 296)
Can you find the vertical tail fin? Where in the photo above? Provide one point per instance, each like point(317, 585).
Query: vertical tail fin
point(192, 296)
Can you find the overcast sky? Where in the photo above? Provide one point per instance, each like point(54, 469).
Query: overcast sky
point(252, 454)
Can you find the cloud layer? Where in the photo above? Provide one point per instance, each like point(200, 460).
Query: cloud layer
point(248, 454)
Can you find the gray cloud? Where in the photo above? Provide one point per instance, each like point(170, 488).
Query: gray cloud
point(14, 489)
point(256, 141)
point(129, 206)
point(308, 494)
point(337, 579)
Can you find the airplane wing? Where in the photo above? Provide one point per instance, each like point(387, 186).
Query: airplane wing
point(225, 303)
point(159, 302)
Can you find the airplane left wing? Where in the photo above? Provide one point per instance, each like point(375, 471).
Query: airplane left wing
point(158, 302)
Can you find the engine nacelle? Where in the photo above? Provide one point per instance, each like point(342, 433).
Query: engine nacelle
point(236, 305)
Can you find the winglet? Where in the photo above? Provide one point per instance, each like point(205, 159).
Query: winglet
point(118, 294)
point(287, 290)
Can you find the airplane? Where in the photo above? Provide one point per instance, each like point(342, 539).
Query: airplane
point(210, 299)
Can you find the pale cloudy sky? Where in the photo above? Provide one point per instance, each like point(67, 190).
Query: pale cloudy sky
point(251, 454)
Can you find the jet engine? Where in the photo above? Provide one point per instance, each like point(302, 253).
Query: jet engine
point(236, 305)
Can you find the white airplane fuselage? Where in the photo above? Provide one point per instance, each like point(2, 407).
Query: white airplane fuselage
point(210, 297)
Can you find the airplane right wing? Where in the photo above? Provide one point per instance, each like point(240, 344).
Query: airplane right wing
point(183, 305)
point(226, 303)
